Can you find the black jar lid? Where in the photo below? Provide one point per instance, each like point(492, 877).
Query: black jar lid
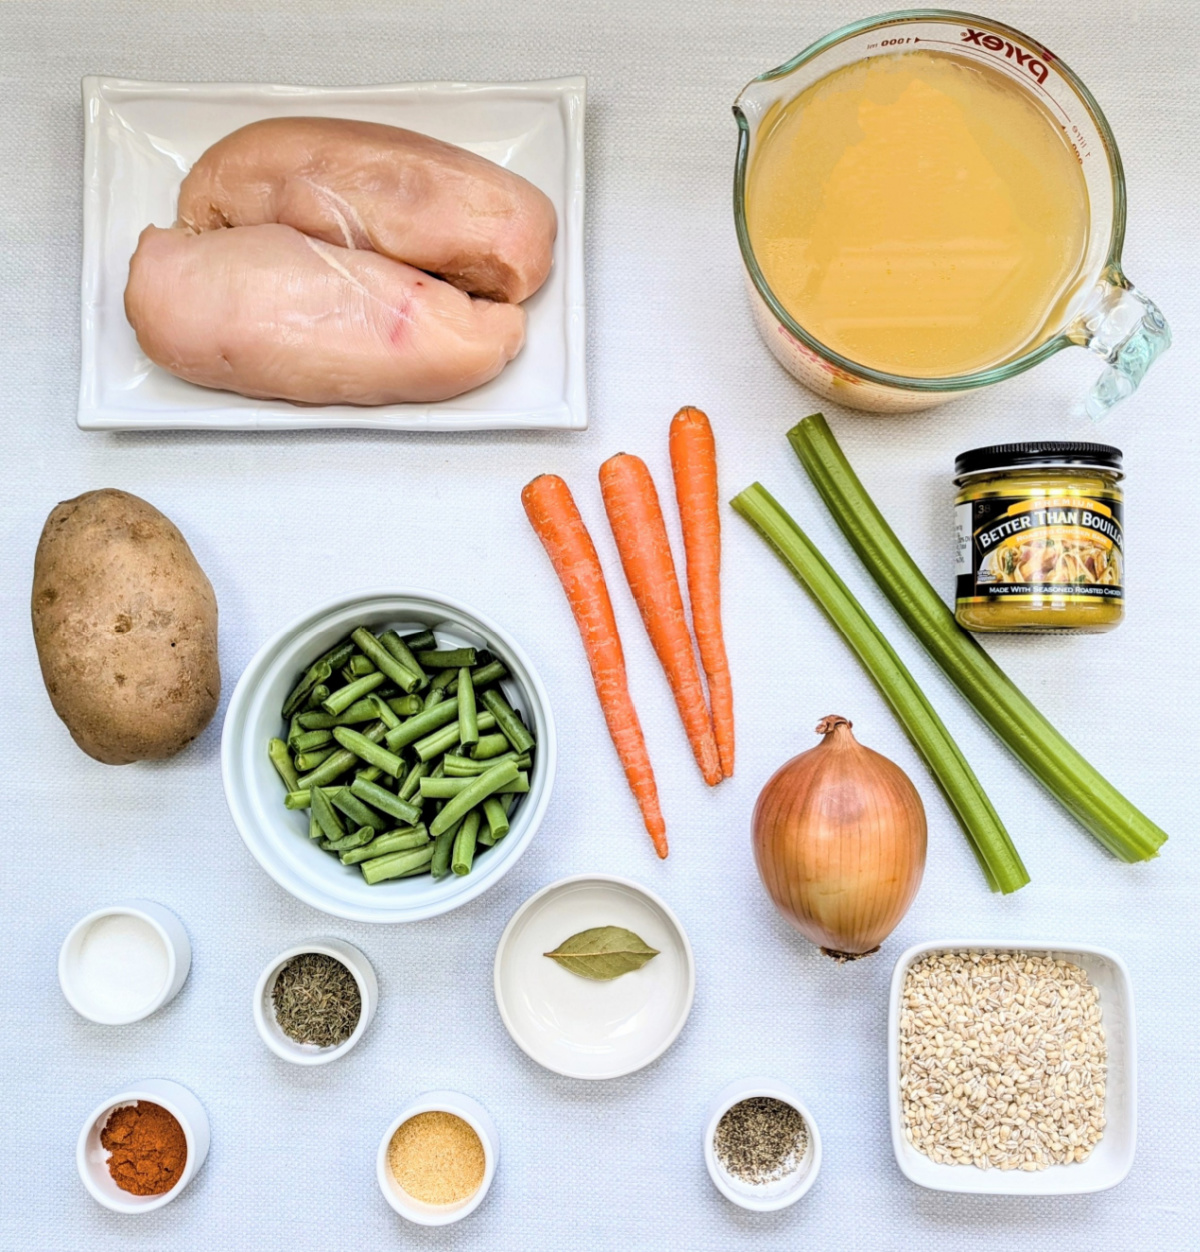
point(1001, 456)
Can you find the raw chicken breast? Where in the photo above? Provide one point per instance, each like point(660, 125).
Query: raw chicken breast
point(268, 312)
point(399, 193)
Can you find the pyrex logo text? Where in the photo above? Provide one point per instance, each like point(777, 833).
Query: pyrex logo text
point(995, 44)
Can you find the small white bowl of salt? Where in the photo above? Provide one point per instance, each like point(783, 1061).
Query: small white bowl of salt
point(124, 962)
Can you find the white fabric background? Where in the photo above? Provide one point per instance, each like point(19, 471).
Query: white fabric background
point(615, 1165)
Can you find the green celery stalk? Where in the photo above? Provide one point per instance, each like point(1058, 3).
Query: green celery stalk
point(1076, 784)
point(997, 856)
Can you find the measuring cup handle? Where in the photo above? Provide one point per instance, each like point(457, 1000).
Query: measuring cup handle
point(1128, 331)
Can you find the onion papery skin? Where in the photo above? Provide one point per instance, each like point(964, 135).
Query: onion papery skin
point(840, 840)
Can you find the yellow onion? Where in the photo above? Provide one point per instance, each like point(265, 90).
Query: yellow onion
point(839, 839)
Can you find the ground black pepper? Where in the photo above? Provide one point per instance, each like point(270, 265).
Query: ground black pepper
point(761, 1140)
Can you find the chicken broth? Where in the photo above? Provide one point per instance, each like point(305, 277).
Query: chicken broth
point(920, 214)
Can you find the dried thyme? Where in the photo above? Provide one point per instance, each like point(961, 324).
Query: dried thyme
point(317, 1000)
point(761, 1140)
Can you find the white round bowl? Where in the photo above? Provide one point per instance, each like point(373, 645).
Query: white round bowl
point(770, 1196)
point(278, 838)
point(173, 937)
point(578, 1027)
point(264, 1006)
point(476, 1116)
point(92, 1159)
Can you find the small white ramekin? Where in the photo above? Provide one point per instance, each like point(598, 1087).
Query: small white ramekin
point(168, 928)
point(264, 1007)
point(92, 1159)
point(477, 1117)
point(762, 1197)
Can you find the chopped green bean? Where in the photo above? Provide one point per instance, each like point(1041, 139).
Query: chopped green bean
point(380, 868)
point(360, 664)
point(422, 724)
point(497, 818)
point(421, 642)
point(339, 701)
point(507, 720)
point(447, 787)
point(359, 813)
point(383, 845)
point(385, 801)
point(316, 696)
point(314, 826)
point(468, 724)
point(401, 651)
point(440, 741)
point(360, 711)
point(355, 839)
point(465, 767)
point(307, 740)
point(331, 825)
point(306, 761)
point(281, 758)
point(447, 658)
point(371, 773)
point(464, 844)
point(400, 674)
point(340, 762)
point(443, 850)
point(482, 676)
point(447, 738)
point(473, 791)
point(443, 679)
point(387, 714)
point(317, 719)
point(366, 750)
point(490, 746)
point(318, 672)
point(411, 785)
point(435, 695)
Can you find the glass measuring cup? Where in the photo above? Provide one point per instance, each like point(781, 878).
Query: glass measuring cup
point(1107, 314)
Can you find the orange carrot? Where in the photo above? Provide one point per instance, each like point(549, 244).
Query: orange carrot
point(635, 516)
point(551, 510)
point(694, 462)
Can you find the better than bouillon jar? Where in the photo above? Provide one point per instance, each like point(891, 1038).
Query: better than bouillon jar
point(1039, 537)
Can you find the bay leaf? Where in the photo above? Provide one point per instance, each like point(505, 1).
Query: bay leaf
point(603, 953)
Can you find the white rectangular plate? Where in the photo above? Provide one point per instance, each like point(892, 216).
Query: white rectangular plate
point(1112, 1158)
point(141, 138)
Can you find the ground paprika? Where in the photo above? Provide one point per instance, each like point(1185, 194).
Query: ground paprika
point(148, 1148)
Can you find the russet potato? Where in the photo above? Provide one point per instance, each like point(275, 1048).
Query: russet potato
point(125, 624)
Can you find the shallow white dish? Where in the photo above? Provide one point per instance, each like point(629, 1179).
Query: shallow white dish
point(278, 838)
point(1112, 1157)
point(140, 138)
point(578, 1027)
point(771, 1196)
point(91, 1157)
point(171, 934)
point(264, 1006)
point(477, 1117)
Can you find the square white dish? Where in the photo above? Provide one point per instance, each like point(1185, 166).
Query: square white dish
point(1112, 1157)
point(142, 137)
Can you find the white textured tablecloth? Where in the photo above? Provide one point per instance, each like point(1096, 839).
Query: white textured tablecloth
point(615, 1165)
